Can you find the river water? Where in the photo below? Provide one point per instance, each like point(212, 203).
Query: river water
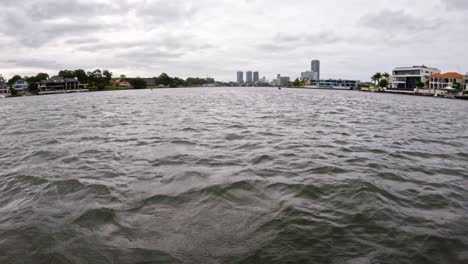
point(233, 175)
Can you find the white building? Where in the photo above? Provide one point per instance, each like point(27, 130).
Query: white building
point(441, 81)
point(307, 76)
point(405, 79)
point(21, 86)
point(3, 86)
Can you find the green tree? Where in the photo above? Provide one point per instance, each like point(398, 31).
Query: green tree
point(297, 83)
point(376, 77)
point(386, 75)
point(457, 86)
point(164, 79)
point(13, 92)
point(138, 83)
point(383, 83)
point(108, 75)
point(178, 82)
point(33, 80)
point(13, 80)
point(81, 75)
point(67, 74)
point(420, 85)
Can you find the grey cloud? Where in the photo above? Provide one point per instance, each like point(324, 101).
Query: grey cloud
point(103, 46)
point(281, 41)
point(162, 12)
point(29, 33)
point(78, 41)
point(33, 63)
point(456, 5)
point(395, 21)
point(271, 47)
point(175, 43)
point(50, 9)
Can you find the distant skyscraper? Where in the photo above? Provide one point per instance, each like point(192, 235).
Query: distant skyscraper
point(256, 77)
point(249, 77)
point(315, 66)
point(240, 77)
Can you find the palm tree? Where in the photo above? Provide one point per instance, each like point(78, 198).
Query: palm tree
point(386, 75)
point(376, 77)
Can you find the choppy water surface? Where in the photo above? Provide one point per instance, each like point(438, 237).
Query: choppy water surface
point(233, 175)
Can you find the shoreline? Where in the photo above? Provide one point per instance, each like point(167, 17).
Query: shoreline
point(458, 97)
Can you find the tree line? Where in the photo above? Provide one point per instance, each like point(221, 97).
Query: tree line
point(166, 80)
point(100, 79)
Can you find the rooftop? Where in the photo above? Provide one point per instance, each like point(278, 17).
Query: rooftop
point(415, 67)
point(454, 75)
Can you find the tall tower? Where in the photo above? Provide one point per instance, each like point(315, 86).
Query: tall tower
point(249, 77)
point(240, 77)
point(256, 77)
point(315, 66)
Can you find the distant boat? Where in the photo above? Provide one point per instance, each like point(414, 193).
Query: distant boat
point(279, 88)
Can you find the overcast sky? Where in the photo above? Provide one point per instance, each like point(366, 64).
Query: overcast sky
point(352, 38)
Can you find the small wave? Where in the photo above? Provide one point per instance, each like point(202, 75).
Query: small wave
point(96, 217)
point(262, 159)
point(232, 137)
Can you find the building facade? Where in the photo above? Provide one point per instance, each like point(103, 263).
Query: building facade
point(315, 68)
point(309, 76)
point(249, 77)
point(21, 86)
point(406, 79)
point(280, 80)
point(447, 80)
point(256, 77)
point(335, 83)
point(58, 83)
point(465, 79)
point(240, 77)
point(3, 86)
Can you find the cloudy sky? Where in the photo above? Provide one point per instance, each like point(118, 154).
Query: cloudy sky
point(216, 38)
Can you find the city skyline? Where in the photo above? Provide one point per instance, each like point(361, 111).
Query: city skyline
point(176, 37)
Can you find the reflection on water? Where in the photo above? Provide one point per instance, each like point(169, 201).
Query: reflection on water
point(233, 175)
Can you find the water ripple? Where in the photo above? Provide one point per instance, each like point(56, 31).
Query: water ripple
point(233, 175)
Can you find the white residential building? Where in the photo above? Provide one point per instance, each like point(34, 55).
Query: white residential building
point(405, 79)
point(21, 86)
point(442, 81)
point(3, 86)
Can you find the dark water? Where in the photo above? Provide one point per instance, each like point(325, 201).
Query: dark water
point(251, 175)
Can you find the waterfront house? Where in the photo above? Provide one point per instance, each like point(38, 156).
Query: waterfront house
point(465, 83)
point(447, 80)
point(120, 83)
point(21, 86)
point(60, 84)
point(405, 79)
point(334, 83)
point(3, 86)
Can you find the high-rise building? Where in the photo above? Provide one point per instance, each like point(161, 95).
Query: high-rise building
point(240, 77)
point(256, 77)
point(315, 67)
point(249, 77)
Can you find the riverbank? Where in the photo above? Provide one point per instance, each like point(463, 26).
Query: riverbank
point(459, 97)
